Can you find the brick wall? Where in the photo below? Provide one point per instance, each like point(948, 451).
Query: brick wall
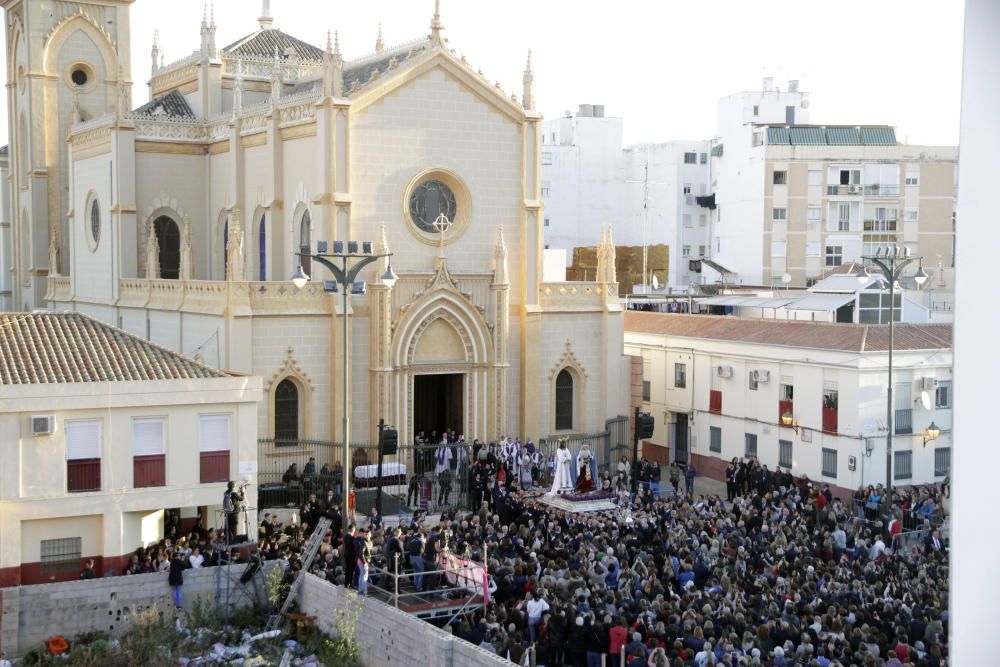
point(32, 614)
point(388, 636)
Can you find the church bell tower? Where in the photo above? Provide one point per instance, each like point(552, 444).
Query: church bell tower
point(67, 62)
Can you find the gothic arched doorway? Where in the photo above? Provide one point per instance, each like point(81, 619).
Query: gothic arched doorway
point(168, 238)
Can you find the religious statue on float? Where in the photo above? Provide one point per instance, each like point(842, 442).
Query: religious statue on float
point(584, 470)
point(562, 481)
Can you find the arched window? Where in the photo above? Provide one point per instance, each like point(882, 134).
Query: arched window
point(168, 237)
point(225, 247)
point(286, 411)
point(95, 223)
point(262, 249)
point(564, 401)
point(305, 242)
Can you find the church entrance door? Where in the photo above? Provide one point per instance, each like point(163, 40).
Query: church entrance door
point(437, 404)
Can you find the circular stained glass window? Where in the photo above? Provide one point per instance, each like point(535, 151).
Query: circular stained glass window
point(428, 201)
point(95, 222)
point(79, 77)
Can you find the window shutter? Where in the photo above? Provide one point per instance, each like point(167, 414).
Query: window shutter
point(83, 440)
point(213, 433)
point(147, 437)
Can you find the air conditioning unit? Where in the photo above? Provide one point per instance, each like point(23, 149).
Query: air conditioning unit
point(43, 425)
point(761, 376)
point(928, 384)
point(855, 189)
point(725, 371)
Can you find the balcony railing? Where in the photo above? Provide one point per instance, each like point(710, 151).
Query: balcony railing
point(829, 420)
point(784, 407)
point(715, 402)
point(214, 467)
point(880, 225)
point(149, 471)
point(882, 190)
point(83, 475)
point(844, 189)
point(903, 421)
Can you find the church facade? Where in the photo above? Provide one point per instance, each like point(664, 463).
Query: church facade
point(183, 220)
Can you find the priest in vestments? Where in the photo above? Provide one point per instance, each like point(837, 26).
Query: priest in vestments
point(561, 479)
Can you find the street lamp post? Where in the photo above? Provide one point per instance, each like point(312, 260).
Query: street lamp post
point(891, 261)
point(345, 280)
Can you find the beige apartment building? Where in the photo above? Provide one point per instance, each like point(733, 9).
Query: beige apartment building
point(834, 194)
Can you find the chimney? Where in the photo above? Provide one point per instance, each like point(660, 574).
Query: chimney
point(598, 111)
point(793, 85)
point(768, 84)
point(585, 111)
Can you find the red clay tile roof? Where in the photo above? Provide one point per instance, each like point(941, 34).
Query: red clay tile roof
point(817, 335)
point(39, 348)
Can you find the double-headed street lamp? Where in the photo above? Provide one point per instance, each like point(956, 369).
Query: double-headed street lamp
point(353, 258)
point(890, 261)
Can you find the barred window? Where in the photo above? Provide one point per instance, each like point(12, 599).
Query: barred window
point(942, 461)
point(784, 453)
point(902, 465)
point(715, 439)
point(750, 441)
point(829, 463)
point(61, 556)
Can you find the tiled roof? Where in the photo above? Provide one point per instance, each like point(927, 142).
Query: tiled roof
point(815, 335)
point(363, 71)
point(5, 150)
point(263, 43)
point(41, 348)
point(172, 104)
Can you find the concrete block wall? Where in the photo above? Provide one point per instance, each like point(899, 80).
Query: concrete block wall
point(388, 636)
point(32, 614)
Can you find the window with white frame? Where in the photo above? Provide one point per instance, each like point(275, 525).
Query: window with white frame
point(703, 158)
point(702, 220)
point(812, 248)
point(778, 248)
point(687, 188)
point(546, 159)
point(690, 158)
point(686, 251)
point(913, 177)
point(843, 217)
point(680, 376)
point(902, 465)
point(780, 177)
point(714, 439)
point(779, 213)
point(815, 177)
point(910, 214)
point(834, 255)
point(701, 251)
point(213, 433)
point(756, 110)
point(83, 440)
point(148, 437)
point(942, 461)
point(647, 390)
point(687, 219)
point(752, 380)
point(942, 395)
point(750, 445)
point(881, 219)
point(829, 463)
point(813, 214)
point(784, 453)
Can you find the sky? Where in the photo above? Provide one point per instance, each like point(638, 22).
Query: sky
point(659, 64)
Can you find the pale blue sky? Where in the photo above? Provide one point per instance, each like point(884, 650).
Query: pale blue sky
point(659, 64)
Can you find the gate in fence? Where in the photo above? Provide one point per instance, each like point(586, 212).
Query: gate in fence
point(609, 446)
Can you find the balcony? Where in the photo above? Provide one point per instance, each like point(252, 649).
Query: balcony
point(880, 225)
point(830, 420)
point(784, 407)
point(882, 190)
point(149, 471)
point(903, 421)
point(715, 402)
point(83, 475)
point(214, 467)
point(844, 189)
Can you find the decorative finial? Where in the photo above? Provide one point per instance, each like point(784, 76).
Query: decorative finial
point(379, 43)
point(204, 15)
point(528, 94)
point(329, 43)
point(336, 43)
point(500, 273)
point(265, 19)
point(436, 26)
point(383, 241)
point(211, 15)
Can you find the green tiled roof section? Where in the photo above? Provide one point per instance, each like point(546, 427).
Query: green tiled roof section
point(777, 135)
point(879, 136)
point(806, 135)
point(717, 151)
point(843, 136)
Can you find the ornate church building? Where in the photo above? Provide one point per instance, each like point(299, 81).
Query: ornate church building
point(183, 220)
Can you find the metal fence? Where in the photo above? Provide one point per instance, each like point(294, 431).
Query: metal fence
point(608, 447)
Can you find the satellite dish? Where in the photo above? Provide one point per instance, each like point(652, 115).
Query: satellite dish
point(656, 283)
point(925, 400)
point(786, 278)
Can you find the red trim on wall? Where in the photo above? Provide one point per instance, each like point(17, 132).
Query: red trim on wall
point(214, 467)
point(10, 576)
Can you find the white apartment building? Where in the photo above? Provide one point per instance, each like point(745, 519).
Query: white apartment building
point(101, 432)
point(719, 386)
point(798, 199)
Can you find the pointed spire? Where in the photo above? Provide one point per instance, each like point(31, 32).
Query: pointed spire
point(265, 20)
point(123, 101)
point(187, 260)
point(528, 94)
point(238, 90)
point(329, 44)
point(155, 53)
point(379, 43)
point(152, 254)
point(276, 77)
point(500, 273)
point(204, 16)
point(53, 253)
point(333, 68)
point(336, 45)
point(211, 16)
point(383, 242)
point(208, 49)
point(436, 26)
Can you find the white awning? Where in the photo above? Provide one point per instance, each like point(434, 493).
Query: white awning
point(726, 300)
point(825, 302)
point(766, 302)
